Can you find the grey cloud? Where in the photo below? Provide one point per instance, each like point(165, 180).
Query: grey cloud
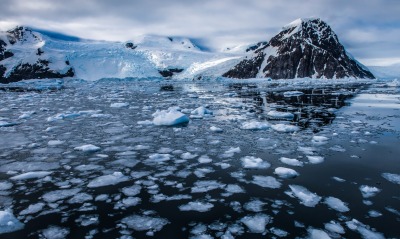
point(370, 29)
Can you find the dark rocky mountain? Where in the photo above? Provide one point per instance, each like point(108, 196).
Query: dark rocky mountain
point(33, 65)
point(304, 48)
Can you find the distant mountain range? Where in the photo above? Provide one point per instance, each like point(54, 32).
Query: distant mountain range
point(304, 48)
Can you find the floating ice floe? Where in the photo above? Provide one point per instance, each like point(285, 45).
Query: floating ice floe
point(319, 140)
point(31, 175)
point(279, 232)
point(340, 180)
point(315, 159)
point(107, 180)
point(336, 204)
point(6, 124)
point(27, 114)
point(196, 206)
point(391, 177)
point(364, 230)
point(253, 162)
point(285, 128)
point(71, 115)
point(216, 129)
point(145, 223)
point(87, 148)
point(201, 111)
point(334, 227)
point(57, 195)
point(204, 159)
point(373, 213)
point(54, 142)
point(169, 117)
point(119, 105)
point(254, 206)
point(9, 223)
point(207, 185)
point(285, 172)
point(32, 209)
point(132, 190)
point(157, 158)
point(256, 223)
point(306, 197)
point(280, 115)
point(55, 232)
point(255, 125)
point(291, 162)
point(292, 93)
point(317, 234)
point(231, 151)
point(369, 191)
point(266, 181)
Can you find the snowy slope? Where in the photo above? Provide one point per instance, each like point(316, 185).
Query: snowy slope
point(386, 72)
point(144, 56)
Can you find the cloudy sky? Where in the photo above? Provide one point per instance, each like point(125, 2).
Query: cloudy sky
point(369, 29)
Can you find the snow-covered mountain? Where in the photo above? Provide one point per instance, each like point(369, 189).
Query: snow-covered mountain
point(304, 48)
point(385, 72)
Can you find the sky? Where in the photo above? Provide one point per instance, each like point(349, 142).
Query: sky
point(369, 29)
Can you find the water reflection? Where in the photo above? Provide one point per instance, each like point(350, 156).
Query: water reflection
point(311, 108)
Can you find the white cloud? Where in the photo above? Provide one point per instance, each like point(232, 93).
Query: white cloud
point(361, 25)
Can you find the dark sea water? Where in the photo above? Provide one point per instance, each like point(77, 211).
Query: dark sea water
point(188, 181)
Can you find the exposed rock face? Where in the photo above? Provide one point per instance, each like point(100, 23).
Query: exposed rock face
point(37, 67)
point(304, 48)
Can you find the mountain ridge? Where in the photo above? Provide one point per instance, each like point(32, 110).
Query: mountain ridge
point(29, 54)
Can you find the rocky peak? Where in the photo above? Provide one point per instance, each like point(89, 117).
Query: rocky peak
point(304, 48)
point(21, 34)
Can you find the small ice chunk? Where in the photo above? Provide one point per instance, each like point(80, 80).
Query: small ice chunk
point(340, 180)
point(255, 125)
point(306, 197)
point(9, 223)
point(317, 234)
point(266, 181)
point(368, 191)
point(234, 188)
point(231, 151)
point(280, 115)
point(315, 159)
point(169, 117)
point(88, 148)
point(254, 206)
point(334, 227)
point(216, 129)
point(287, 128)
point(56, 195)
point(132, 190)
point(204, 159)
point(364, 230)
point(292, 93)
point(119, 105)
point(188, 155)
point(31, 175)
point(158, 158)
point(54, 142)
point(253, 162)
point(54, 232)
point(145, 223)
point(107, 180)
point(4, 185)
point(256, 223)
point(80, 198)
point(196, 206)
point(391, 177)
point(279, 232)
point(205, 186)
point(32, 209)
point(285, 172)
point(373, 213)
point(201, 111)
point(336, 204)
point(291, 162)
